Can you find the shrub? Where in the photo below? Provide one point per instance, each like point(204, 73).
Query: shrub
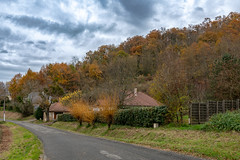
point(224, 122)
point(108, 108)
point(141, 117)
point(38, 113)
point(66, 118)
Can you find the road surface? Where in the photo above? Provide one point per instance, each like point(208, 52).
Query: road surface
point(63, 145)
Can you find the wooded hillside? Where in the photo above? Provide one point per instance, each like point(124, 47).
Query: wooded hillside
point(174, 65)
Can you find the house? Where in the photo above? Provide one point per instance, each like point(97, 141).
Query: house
point(139, 99)
point(35, 99)
point(54, 110)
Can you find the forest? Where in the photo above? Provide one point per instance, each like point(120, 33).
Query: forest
point(176, 66)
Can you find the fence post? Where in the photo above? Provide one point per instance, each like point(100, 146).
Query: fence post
point(199, 104)
point(190, 116)
point(223, 106)
point(237, 103)
point(217, 108)
point(207, 111)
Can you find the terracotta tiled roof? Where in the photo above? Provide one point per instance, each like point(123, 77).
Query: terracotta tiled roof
point(58, 107)
point(141, 99)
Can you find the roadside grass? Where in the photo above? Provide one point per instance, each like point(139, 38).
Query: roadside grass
point(24, 146)
point(185, 139)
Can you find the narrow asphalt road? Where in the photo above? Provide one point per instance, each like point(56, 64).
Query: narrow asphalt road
point(63, 145)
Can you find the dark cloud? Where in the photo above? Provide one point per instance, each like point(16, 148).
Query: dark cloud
point(199, 9)
point(29, 42)
point(198, 12)
point(103, 3)
point(138, 10)
point(49, 27)
point(6, 34)
point(8, 1)
point(3, 51)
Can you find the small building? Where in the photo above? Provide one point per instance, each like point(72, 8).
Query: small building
point(56, 109)
point(35, 99)
point(140, 99)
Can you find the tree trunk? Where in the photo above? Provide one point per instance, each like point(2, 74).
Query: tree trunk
point(110, 120)
point(80, 121)
point(47, 114)
point(181, 116)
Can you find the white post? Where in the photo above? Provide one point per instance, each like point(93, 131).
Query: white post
point(4, 110)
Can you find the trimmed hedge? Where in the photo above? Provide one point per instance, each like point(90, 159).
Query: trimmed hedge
point(66, 118)
point(224, 122)
point(141, 117)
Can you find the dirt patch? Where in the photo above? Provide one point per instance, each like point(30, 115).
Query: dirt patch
point(6, 138)
point(11, 115)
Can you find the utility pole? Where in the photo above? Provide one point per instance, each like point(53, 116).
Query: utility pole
point(4, 110)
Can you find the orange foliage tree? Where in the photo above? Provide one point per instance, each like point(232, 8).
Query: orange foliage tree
point(82, 112)
point(108, 107)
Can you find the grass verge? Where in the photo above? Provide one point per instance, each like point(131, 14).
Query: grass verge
point(185, 139)
point(24, 146)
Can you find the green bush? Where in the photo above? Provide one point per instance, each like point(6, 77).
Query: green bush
point(141, 117)
point(66, 118)
point(224, 122)
point(38, 113)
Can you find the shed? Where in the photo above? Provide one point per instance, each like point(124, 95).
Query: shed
point(55, 109)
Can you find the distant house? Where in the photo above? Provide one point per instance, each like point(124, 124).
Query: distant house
point(54, 110)
point(140, 99)
point(35, 99)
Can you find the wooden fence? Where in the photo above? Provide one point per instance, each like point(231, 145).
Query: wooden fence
point(201, 112)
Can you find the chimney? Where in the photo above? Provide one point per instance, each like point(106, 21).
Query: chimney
point(135, 92)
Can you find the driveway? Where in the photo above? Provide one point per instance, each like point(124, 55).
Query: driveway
point(63, 145)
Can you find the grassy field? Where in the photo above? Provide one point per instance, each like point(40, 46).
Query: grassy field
point(24, 146)
point(186, 139)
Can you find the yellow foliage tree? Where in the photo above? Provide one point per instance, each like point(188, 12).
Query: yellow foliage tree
point(71, 98)
point(108, 107)
point(82, 112)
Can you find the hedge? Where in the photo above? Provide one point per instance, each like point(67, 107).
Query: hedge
point(38, 113)
point(141, 117)
point(66, 118)
point(224, 122)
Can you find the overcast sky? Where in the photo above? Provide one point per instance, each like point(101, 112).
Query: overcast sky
point(37, 32)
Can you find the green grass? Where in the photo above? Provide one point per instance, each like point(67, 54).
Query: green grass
point(185, 139)
point(24, 146)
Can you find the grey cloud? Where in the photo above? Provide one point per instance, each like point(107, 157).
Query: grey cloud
point(50, 27)
point(199, 9)
point(198, 13)
point(29, 42)
point(138, 10)
point(3, 51)
point(6, 34)
point(103, 3)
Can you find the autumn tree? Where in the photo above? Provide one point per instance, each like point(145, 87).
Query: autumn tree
point(108, 107)
point(120, 75)
point(225, 78)
point(82, 112)
point(169, 86)
point(71, 98)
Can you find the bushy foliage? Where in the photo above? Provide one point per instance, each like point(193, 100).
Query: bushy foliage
point(141, 117)
point(71, 98)
point(224, 122)
point(38, 113)
point(66, 118)
point(82, 112)
point(108, 107)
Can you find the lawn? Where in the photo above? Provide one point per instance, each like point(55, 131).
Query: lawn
point(24, 146)
point(185, 139)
